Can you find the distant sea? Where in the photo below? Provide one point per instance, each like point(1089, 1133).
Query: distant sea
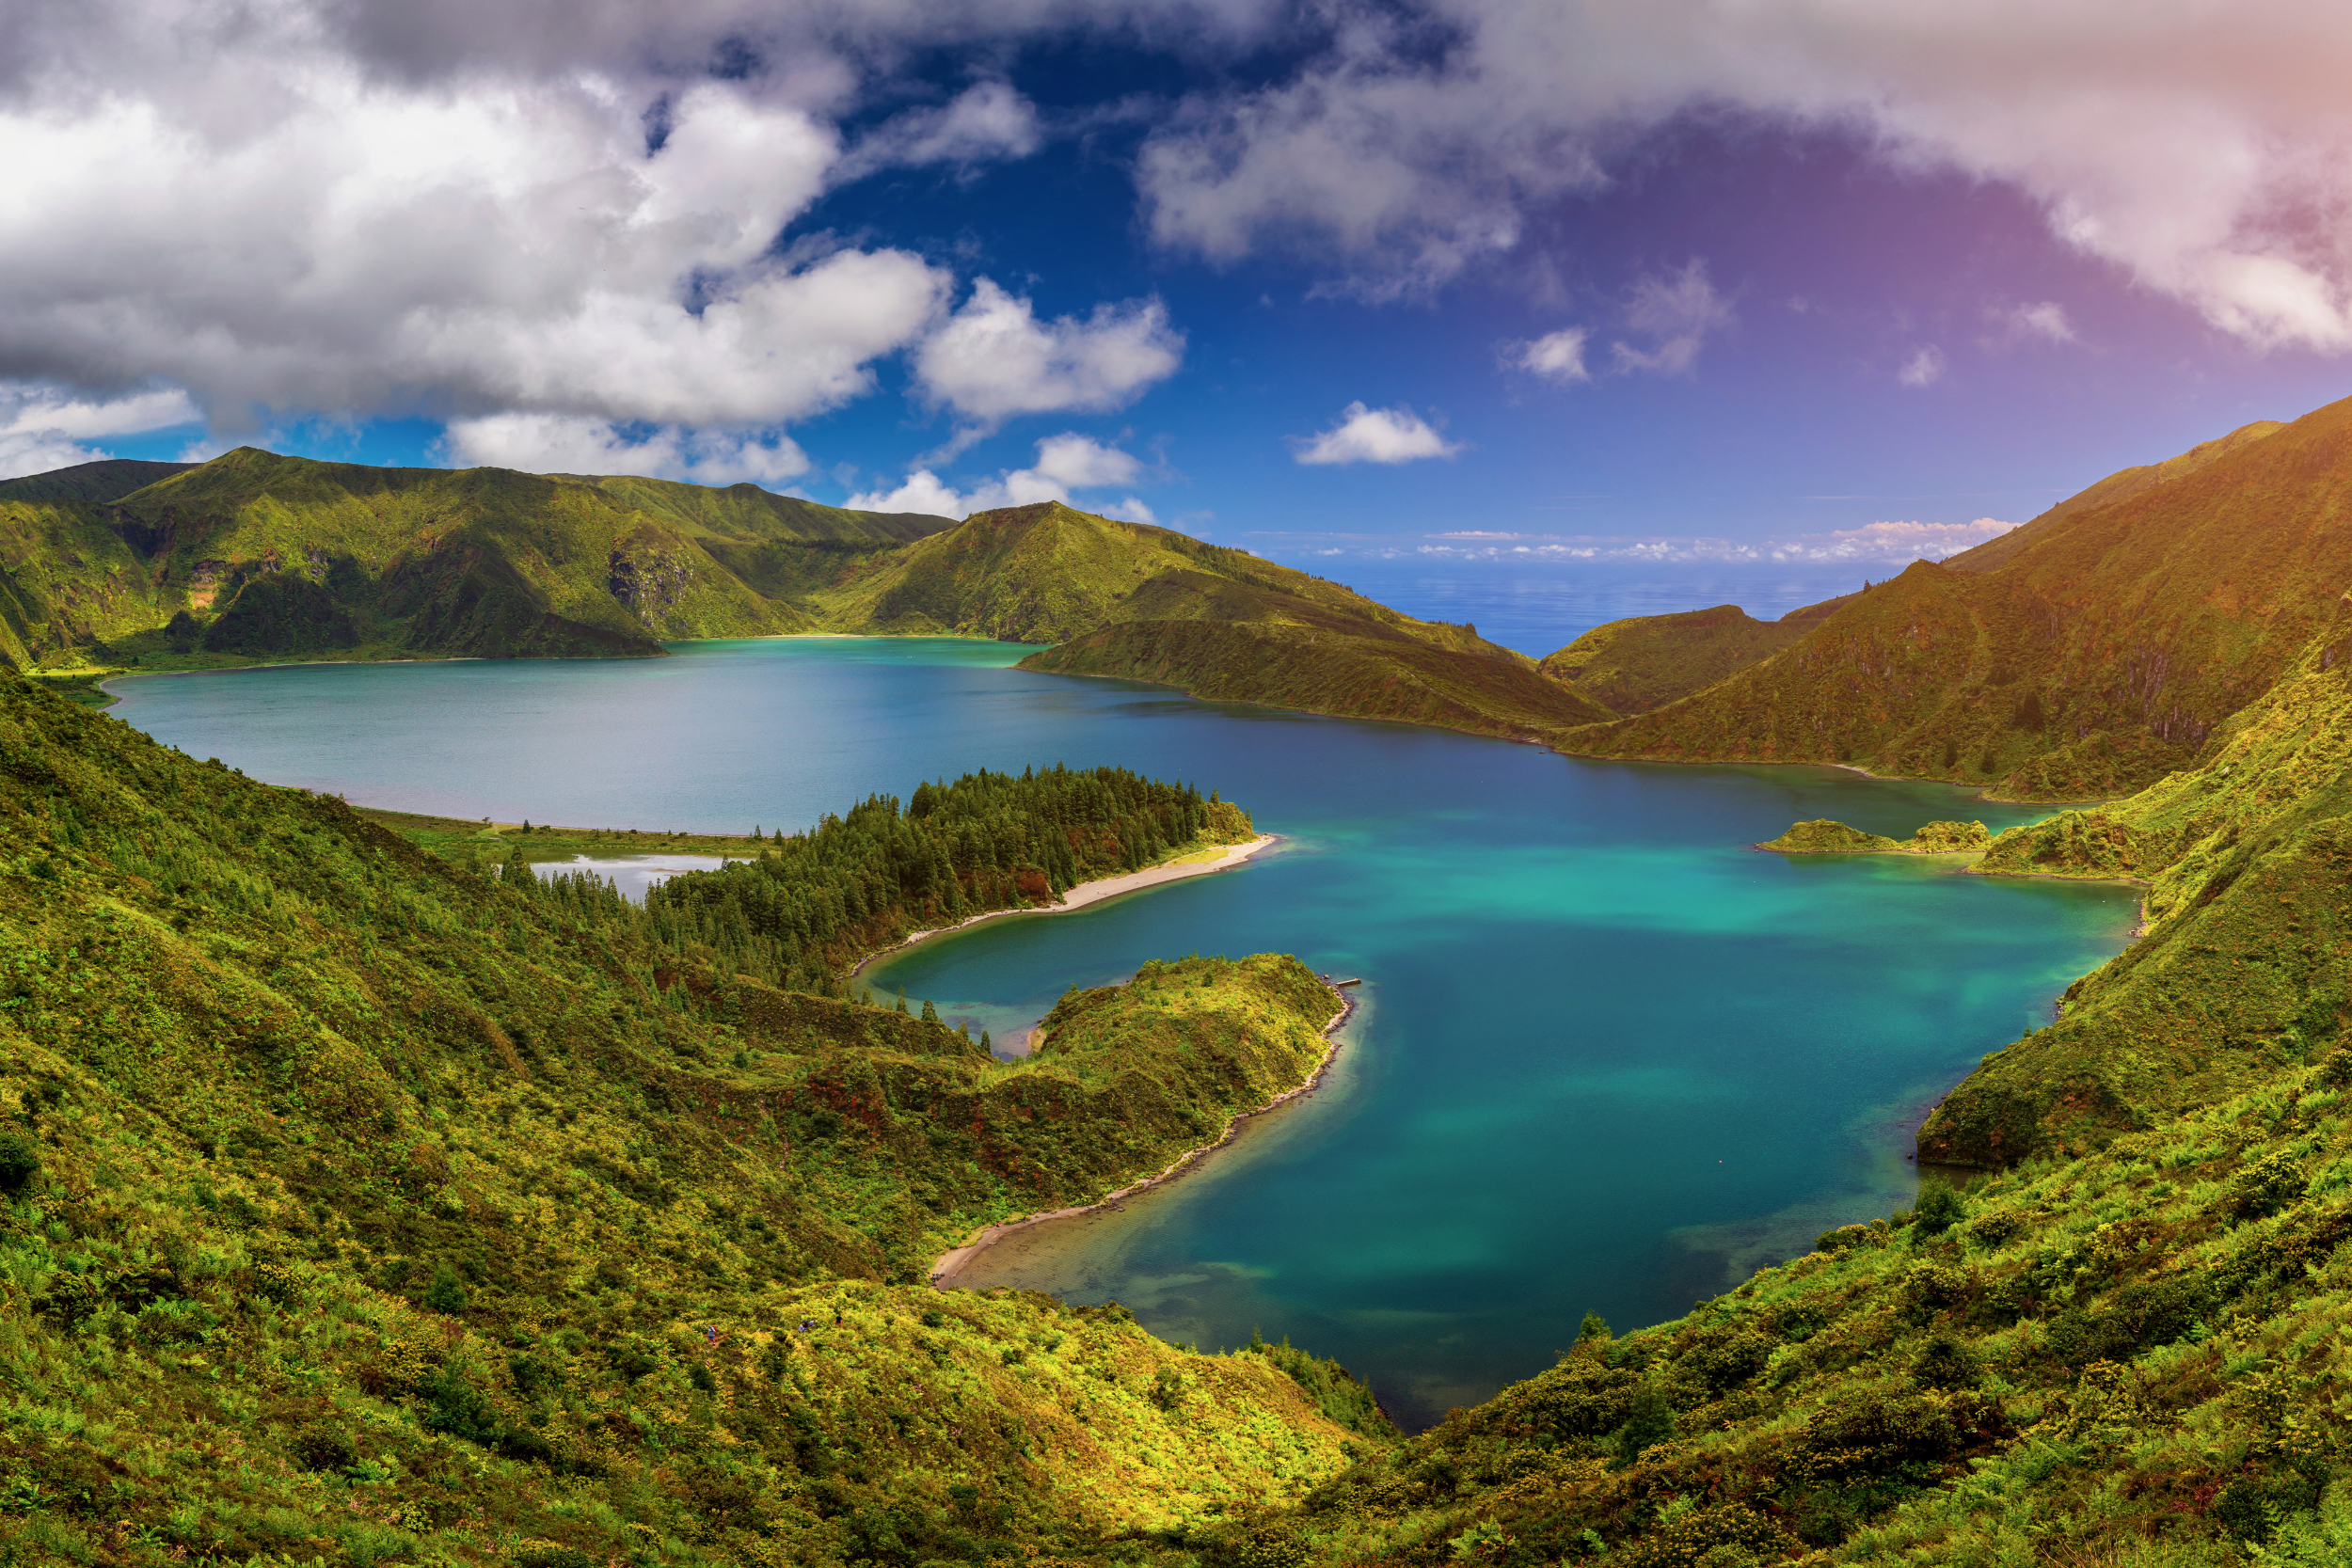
point(1610, 1058)
point(1538, 607)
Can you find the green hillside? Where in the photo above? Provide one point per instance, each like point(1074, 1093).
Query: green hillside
point(2089, 659)
point(254, 556)
point(109, 479)
point(2120, 486)
point(1145, 603)
point(359, 1206)
point(2122, 1346)
point(1647, 661)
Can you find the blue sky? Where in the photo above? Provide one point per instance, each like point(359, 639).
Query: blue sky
point(1482, 287)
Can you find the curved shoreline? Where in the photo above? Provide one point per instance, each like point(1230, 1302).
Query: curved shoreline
point(1084, 893)
point(944, 1267)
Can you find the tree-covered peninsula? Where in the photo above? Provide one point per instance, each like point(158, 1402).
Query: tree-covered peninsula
point(805, 910)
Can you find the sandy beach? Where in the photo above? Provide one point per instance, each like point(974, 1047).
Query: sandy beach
point(1200, 865)
point(944, 1269)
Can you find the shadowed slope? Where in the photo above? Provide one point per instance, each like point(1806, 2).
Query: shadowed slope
point(109, 479)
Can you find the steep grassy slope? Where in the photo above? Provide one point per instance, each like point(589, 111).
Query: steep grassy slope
point(2091, 658)
point(257, 557)
point(2246, 968)
point(254, 556)
point(1352, 671)
point(481, 561)
point(2120, 486)
point(1148, 604)
point(2135, 1358)
point(356, 1206)
point(1647, 661)
point(67, 580)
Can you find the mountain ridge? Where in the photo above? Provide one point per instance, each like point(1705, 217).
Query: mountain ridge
point(2086, 659)
point(255, 557)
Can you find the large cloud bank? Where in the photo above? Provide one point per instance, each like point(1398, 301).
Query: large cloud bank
point(564, 228)
point(2205, 149)
point(555, 228)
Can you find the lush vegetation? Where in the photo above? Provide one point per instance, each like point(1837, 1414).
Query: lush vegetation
point(2134, 1358)
point(2084, 656)
point(1647, 661)
point(1147, 603)
point(1824, 837)
point(808, 907)
point(365, 1204)
point(1359, 670)
point(359, 1206)
point(253, 556)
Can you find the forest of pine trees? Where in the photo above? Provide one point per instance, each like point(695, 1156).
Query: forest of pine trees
point(808, 909)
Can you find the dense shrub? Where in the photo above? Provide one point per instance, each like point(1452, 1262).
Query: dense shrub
point(2268, 1185)
point(2133, 1319)
point(1938, 1210)
point(20, 1161)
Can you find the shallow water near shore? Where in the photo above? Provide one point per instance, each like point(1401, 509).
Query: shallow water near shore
point(1611, 1057)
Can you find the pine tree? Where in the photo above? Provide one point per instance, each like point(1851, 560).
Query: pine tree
point(931, 1014)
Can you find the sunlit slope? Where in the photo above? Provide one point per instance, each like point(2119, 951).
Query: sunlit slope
point(2117, 486)
point(2246, 968)
point(1145, 603)
point(1047, 573)
point(450, 1197)
point(1647, 661)
point(2098, 655)
point(2133, 1359)
point(67, 580)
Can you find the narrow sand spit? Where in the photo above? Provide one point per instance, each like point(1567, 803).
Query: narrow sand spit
point(1095, 892)
point(944, 1271)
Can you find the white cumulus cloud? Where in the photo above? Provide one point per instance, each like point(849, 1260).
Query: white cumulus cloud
point(577, 444)
point(2205, 149)
point(43, 427)
point(1555, 356)
point(1065, 463)
point(2044, 321)
point(984, 123)
point(992, 358)
point(1873, 544)
point(1366, 435)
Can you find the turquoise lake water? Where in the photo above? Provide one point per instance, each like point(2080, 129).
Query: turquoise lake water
point(1610, 1058)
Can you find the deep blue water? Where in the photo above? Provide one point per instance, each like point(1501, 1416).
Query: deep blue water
point(1610, 1059)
